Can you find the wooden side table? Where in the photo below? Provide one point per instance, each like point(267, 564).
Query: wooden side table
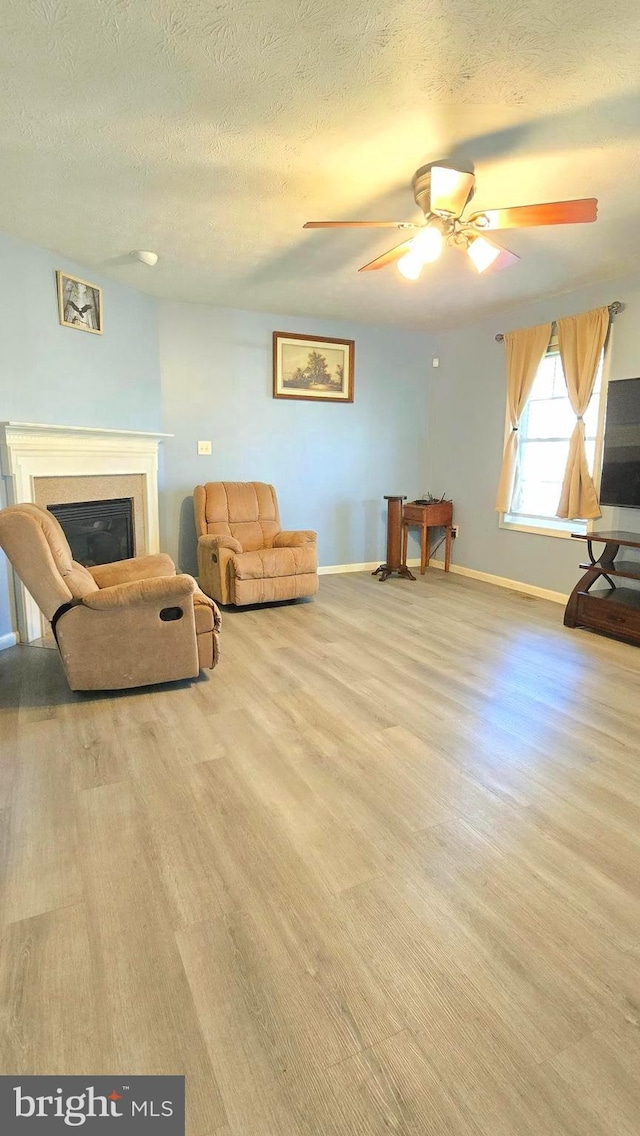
point(394, 562)
point(439, 514)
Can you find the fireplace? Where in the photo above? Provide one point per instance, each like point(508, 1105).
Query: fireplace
point(98, 532)
point(56, 465)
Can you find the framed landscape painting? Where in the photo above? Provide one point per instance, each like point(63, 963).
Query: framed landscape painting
point(79, 303)
point(312, 367)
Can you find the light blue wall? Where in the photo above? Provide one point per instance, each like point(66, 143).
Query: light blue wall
point(202, 372)
point(466, 436)
point(331, 463)
point(60, 376)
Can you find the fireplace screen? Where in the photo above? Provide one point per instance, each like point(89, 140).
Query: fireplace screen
point(98, 531)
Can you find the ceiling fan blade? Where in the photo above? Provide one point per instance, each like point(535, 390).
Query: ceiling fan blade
point(524, 216)
point(387, 257)
point(485, 254)
point(450, 190)
point(360, 225)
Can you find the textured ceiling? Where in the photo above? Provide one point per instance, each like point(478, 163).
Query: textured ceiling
point(210, 130)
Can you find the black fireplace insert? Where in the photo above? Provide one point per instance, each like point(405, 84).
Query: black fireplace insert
point(98, 531)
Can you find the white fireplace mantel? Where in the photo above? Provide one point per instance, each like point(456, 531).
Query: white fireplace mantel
point(30, 450)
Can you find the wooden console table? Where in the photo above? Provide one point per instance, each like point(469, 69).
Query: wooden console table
point(438, 514)
point(614, 610)
point(394, 562)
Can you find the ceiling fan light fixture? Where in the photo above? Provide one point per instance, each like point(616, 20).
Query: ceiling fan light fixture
point(410, 266)
point(450, 190)
point(425, 248)
point(482, 252)
point(442, 192)
point(427, 245)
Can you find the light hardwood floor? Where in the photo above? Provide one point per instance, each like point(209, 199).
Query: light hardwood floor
point(379, 872)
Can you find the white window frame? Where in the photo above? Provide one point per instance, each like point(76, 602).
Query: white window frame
point(559, 526)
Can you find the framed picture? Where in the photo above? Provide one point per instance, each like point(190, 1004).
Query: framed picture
point(312, 367)
point(79, 303)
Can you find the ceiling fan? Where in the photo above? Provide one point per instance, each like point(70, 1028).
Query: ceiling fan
point(443, 192)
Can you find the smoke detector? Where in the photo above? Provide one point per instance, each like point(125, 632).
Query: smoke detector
point(145, 257)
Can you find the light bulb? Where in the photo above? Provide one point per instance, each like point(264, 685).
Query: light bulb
point(427, 245)
point(482, 252)
point(410, 266)
point(425, 248)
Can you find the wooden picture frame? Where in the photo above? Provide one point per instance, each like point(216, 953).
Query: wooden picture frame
point(303, 370)
point(79, 303)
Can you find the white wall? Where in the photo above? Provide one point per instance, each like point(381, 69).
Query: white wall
point(466, 436)
point(331, 463)
point(58, 375)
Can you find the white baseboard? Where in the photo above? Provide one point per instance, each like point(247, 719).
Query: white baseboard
point(458, 570)
point(331, 569)
point(503, 582)
point(8, 640)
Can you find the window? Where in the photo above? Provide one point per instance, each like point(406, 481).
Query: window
point(545, 429)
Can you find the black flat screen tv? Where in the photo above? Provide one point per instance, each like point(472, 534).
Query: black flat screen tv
point(620, 482)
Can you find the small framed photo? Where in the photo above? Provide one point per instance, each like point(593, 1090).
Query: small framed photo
point(79, 303)
point(313, 367)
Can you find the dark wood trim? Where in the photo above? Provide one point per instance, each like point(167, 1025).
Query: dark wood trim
point(629, 539)
point(350, 343)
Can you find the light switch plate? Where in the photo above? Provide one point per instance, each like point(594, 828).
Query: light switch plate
point(204, 448)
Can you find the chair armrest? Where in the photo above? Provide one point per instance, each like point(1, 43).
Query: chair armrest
point(200, 597)
point(214, 541)
point(138, 568)
point(294, 538)
point(163, 591)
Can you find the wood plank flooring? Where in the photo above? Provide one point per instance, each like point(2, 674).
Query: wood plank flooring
point(379, 872)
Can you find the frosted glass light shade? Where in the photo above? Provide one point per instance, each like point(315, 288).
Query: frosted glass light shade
point(410, 266)
point(425, 248)
point(482, 252)
point(450, 190)
point(427, 245)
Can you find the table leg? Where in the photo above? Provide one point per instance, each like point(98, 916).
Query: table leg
point(424, 540)
point(394, 542)
point(447, 549)
point(405, 541)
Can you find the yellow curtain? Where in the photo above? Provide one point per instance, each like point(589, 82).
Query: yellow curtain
point(525, 349)
point(581, 340)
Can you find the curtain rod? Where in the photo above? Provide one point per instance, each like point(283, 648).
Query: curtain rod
point(614, 310)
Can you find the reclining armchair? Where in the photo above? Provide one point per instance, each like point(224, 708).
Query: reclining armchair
point(244, 557)
point(131, 623)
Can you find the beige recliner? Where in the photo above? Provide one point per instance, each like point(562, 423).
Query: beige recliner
point(130, 623)
point(244, 557)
